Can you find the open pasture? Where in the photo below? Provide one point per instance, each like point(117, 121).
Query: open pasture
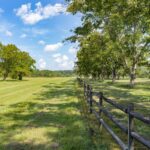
point(41, 114)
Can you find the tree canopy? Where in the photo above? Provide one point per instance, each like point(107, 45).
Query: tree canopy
point(15, 62)
point(114, 37)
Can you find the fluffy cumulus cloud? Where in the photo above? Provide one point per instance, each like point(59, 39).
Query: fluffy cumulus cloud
point(63, 61)
point(42, 64)
point(31, 17)
point(52, 47)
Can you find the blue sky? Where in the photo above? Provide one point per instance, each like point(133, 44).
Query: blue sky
point(39, 27)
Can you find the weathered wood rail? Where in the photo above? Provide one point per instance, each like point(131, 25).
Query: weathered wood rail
point(129, 111)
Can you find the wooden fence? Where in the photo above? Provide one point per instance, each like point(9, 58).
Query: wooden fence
point(129, 111)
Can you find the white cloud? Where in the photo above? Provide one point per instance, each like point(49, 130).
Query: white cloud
point(6, 28)
point(1, 10)
point(41, 42)
point(67, 65)
point(23, 35)
point(8, 33)
point(42, 64)
point(63, 61)
point(72, 50)
point(34, 31)
point(31, 17)
point(56, 55)
point(52, 47)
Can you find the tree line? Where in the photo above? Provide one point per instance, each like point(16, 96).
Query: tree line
point(15, 62)
point(114, 38)
point(50, 73)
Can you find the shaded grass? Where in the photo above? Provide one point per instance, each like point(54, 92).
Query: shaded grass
point(123, 94)
point(41, 114)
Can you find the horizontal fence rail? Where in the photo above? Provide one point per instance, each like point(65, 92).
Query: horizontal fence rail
point(129, 111)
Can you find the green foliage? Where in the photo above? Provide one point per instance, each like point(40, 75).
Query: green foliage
point(15, 62)
point(125, 30)
point(49, 73)
point(24, 65)
point(8, 55)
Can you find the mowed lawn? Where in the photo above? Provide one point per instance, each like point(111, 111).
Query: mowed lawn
point(121, 92)
point(41, 114)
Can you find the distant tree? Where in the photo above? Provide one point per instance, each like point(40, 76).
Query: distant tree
point(50, 73)
point(1, 46)
point(25, 64)
point(15, 62)
point(8, 61)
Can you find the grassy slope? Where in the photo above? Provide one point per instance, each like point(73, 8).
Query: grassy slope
point(41, 114)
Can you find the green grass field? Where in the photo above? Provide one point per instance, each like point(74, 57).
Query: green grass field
point(123, 94)
point(41, 114)
point(44, 113)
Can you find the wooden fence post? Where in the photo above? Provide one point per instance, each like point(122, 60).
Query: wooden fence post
point(100, 102)
point(90, 96)
point(100, 107)
point(130, 127)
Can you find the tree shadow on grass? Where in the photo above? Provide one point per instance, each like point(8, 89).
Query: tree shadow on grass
point(42, 113)
point(126, 97)
point(121, 94)
point(140, 85)
point(28, 146)
point(65, 89)
point(12, 80)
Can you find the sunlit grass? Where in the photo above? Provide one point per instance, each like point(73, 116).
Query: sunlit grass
point(123, 94)
point(44, 113)
point(41, 114)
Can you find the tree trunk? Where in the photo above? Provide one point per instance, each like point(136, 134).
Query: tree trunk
point(132, 75)
point(5, 76)
point(20, 76)
point(118, 77)
point(113, 75)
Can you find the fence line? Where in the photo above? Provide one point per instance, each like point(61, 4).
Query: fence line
point(129, 111)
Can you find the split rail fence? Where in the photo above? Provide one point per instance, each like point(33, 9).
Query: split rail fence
point(129, 111)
